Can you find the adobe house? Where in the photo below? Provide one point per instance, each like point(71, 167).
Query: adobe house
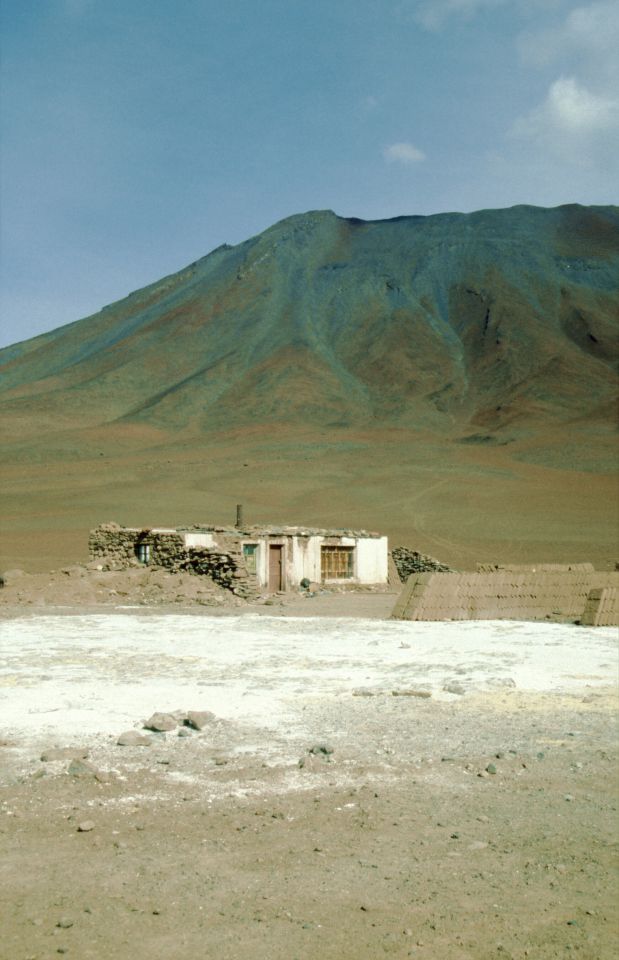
point(249, 559)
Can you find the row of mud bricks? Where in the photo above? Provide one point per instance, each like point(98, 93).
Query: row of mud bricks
point(576, 593)
point(115, 548)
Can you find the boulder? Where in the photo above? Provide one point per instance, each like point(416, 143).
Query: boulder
point(161, 722)
point(198, 719)
point(133, 738)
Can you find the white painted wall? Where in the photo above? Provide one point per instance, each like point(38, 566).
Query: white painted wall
point(373, 560)
point(302, 560)
point(199, 539)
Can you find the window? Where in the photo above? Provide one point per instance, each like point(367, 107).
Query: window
point(336, 563)
point(250, 551)
point(142, 552)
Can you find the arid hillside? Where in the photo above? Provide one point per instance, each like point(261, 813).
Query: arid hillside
point(450, 380)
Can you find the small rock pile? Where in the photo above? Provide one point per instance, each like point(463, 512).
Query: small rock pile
point(409, 561)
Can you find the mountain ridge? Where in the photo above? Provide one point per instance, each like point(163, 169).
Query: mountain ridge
point(457, 345)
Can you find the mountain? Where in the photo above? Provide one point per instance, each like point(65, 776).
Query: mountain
point(463, 345)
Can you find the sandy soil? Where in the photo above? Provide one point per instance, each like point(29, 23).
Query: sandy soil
point(469, 826)
point(458, 503)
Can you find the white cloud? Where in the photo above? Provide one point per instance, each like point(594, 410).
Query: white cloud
point(570, 108)
point(572, 127)
point(590, 33)
point(576, 124)
point(403, 153)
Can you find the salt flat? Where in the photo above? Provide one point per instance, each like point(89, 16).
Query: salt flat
point(78, 676)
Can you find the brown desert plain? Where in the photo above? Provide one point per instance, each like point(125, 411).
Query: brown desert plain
point(449, 381)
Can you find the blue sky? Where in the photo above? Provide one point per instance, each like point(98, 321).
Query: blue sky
point(137, 135)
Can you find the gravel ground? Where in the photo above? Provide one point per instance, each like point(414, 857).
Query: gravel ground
point(316, 814)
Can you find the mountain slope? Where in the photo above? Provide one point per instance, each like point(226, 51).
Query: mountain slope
point(477, 341)
point(429, 321)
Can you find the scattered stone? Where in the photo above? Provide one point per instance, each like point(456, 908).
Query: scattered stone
point(404, 646)
point(63, 753)
point(64, 923)
point(568, 797)
point(491, 768)
point(363, 692)
point(160, 722)
point(85, 826)
point(424, 694)
point(103, 776)
point(198, 719)
point(324, 749)
point(133, 738)
point(454, 687)
point(221, 761)
point(82, 768)
point(184, 732)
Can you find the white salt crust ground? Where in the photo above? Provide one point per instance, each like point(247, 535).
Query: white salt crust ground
point(68, 679)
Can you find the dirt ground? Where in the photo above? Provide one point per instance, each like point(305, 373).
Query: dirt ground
point(478, 828)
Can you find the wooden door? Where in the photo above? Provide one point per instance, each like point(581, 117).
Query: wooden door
point(275, 568)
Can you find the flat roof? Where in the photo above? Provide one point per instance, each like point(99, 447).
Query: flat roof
point(259, 530)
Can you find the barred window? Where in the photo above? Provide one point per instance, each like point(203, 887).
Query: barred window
point(336, 563)
point(143, 552)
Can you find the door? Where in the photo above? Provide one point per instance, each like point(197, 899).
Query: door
point(275, 568)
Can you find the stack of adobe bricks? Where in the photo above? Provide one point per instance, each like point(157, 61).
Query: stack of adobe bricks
point(543, 592)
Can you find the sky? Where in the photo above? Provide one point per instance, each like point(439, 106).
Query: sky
point(138, 135)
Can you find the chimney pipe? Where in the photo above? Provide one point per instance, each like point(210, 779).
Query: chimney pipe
point(239, 516)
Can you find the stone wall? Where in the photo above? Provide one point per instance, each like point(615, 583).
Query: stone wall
point(116, 549)
point(409, 561)
point(559, 593)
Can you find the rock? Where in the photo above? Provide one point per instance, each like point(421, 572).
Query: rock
point(64, 923)
point(454, 687)
point(81, 768)
point(85, 826)
point(133, 738)
point(321, 749)
point(160, 722)
point(10, 576)
point(499, 683)
point(198, 719)
point(491, 768)
point(423, 694)
point(63, 753)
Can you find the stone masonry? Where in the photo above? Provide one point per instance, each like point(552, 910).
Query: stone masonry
point(116, 548)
